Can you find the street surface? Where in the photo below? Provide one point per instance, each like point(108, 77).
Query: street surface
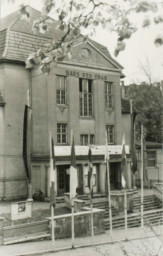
point(141, 247)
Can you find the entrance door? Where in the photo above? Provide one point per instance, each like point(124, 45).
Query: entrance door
point(115, 176)
point(63, 179)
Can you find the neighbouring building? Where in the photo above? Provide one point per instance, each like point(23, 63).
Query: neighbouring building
point(152, 164)
point(82, 95)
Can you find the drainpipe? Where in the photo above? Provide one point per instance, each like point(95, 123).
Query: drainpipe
point(2, 142)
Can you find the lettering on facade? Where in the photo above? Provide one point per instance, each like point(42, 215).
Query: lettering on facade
point(86, 75)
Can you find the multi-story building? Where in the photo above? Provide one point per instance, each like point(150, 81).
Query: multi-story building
point(82, 95)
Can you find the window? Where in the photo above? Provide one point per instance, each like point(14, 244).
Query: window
point(86, 97)
point(61, 133)
point(61, 90)
point(110, 133)
point(151, 158)
point(109, 94)
point(85, 140)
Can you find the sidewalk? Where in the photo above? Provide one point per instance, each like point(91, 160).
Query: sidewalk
point(42, 247)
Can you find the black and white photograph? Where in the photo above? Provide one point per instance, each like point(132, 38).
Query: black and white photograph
point(81, 127)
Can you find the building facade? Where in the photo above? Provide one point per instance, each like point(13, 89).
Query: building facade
point(82, 95)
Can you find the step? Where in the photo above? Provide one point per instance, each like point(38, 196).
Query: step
point(134, 220)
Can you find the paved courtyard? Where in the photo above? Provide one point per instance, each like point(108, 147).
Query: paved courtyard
point(141, 247)
point(141, 242)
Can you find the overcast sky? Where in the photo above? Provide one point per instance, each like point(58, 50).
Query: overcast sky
point(140, 49)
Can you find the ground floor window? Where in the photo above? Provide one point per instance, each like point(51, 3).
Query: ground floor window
point(86, 139)
point(151, 158)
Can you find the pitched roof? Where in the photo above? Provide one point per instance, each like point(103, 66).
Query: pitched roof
point(18, 40)
point(125, 106)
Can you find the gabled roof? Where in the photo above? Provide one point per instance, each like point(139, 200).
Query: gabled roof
point(18, 40)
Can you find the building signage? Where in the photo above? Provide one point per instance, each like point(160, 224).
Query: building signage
point(86, 75)
point(96, 150)
point(21, 210)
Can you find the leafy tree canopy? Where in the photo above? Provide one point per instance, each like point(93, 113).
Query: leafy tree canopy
point(78, 17)
point(147, 100)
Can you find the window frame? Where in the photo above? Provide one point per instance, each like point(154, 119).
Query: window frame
point(60, 90)
point(61, 133)
point(90, 139)
point(150, 159)
point(112, 134)
point(109, 94)
point(85, 97)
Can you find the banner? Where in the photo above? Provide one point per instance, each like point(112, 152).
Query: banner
point(73, 172)
point(27, 141)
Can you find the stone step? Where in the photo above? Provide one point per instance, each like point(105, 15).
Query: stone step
point(151, 217)
point(147, 207)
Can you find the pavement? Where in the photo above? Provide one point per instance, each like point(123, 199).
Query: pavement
point(118, 237)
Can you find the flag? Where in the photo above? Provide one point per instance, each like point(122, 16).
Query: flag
point(73, 172)
point(27, 141)
point(107, 158)
point(123, 182)
point(90, 173)
point(123, 163)
point(52, 173)
point(133, 148)
point(53, 157)
point(52, 162)
point(52, 194)
point(106, 148)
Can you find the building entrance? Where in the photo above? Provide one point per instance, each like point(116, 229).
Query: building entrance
point(63, 179)
point(115, 176)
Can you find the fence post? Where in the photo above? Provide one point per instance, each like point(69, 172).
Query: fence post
point(1, 230)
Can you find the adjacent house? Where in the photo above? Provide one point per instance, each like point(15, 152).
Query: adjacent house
point(82, 95)
point(152, 164)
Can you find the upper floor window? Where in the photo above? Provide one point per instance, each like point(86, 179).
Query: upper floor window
point(151, 158)
point(110, 133)
point(86, 139)
point(61, 133)
point(86, 97)
point(109, 94)
point(61, 90)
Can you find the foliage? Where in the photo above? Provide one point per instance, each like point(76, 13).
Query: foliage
point(77, 17)
point(147, 102)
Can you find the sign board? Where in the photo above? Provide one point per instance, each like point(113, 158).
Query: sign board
point(21, 210)
point(96, 150)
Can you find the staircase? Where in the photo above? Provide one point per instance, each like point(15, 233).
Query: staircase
point(149, 203)
point(153, 214)
point(103, 204)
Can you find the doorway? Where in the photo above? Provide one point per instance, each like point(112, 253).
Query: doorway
point(115, 176)
point(63, 179)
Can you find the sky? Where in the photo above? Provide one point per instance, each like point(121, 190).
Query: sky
point(140, 49)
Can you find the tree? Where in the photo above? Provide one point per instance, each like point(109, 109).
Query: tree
point(147, 102)
point(76, 17)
